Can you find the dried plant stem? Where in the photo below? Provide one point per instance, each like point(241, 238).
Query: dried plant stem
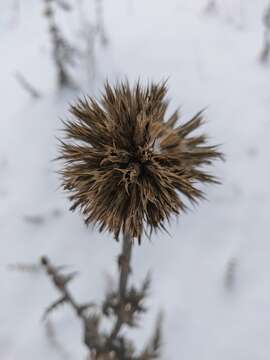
point(125, 269)
point(60, 48)
point(60, 283)
point(25, 84)
point(124, 263)
point(264, 57)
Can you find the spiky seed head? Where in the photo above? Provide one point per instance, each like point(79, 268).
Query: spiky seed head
point(126, 167)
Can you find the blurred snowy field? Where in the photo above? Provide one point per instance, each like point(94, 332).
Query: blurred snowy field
point(211, 276)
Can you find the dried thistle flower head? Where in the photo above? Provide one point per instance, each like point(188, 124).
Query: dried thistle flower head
point(128, 168)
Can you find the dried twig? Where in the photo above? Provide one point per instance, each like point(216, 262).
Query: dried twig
point(124, 305)
point(153, 349)
point(25, 267)
point(265, 53)
point(25, 84)
point(61, 281)
point(62, 52)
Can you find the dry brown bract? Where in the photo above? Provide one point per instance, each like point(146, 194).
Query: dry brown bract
point(127, 168)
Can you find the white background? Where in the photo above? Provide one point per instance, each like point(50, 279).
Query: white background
point(211, 61)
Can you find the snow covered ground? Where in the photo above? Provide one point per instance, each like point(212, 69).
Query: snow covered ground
point(211, 276)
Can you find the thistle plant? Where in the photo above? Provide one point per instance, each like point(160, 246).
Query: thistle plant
point(128, 169)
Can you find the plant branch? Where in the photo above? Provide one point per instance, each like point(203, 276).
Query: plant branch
point(264, 57)
point(93, 338)
point(61, 50)
point(60, 282)
point(124, 304)
point(125, 270)
point(27, 86)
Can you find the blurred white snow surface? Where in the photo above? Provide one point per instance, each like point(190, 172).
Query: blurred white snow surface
point(211, 276)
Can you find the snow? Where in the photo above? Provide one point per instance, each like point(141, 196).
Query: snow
point(211, 61)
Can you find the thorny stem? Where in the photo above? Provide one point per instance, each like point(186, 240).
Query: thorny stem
point(61, 286)
point(105, 346)
point(124, 265)
point(124, 268)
